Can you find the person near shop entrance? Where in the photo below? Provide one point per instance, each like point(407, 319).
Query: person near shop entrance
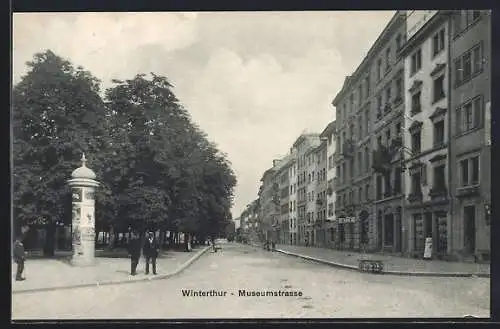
point(134, 249)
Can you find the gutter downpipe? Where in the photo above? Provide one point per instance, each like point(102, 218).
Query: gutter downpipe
point(450, 174)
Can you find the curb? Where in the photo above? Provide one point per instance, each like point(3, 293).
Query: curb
point(398, 273)
point(113, 282)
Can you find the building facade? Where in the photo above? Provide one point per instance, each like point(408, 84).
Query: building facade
point(311, 169)
point(470, 143)
point(426, 176)
point(330, 223)
point(269, 201)
point(282, 172)
point(292, 179)
point(366, 104)
point(303, 145)
point(321, 186)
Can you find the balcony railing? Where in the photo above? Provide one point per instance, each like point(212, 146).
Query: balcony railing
point(415, 197)
point(438, 192)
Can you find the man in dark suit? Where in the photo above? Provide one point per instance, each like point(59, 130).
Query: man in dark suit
point(19, 258)
point(134, 249)
point(151, 250)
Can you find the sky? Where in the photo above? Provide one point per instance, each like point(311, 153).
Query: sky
point(253, 81)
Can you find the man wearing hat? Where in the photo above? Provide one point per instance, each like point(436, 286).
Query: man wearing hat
point(151, 250)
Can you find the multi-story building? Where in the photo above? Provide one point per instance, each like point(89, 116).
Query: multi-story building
point(282, 172)
point(302, 145)
point(360, 112)
point(330, 225)
point(311, 169)
point(320, 194)
point(386, 130)
point(292, 197)
point(470, 153)
point(426, 176)
point(269, 201)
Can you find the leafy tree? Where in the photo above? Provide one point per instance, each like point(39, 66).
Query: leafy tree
point(57, 114)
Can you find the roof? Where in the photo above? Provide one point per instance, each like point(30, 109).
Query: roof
point(330, 128)
point(83, 171)
point(303, 137)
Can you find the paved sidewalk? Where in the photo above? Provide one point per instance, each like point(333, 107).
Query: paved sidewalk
point(52, 274)
point(392, 264)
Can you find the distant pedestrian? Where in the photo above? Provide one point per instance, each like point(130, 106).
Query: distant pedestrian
point(134, 249)
point(19, 258)
point(151, 251)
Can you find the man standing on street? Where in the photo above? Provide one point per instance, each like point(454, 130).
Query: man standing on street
point(19, 258)
point(151, 250)
point(135, 252)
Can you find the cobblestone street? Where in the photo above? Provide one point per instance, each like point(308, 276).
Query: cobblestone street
point(326, 293)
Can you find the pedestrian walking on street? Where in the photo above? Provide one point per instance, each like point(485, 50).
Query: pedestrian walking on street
point(134, 249)
point(19, 258)
point(151, 250)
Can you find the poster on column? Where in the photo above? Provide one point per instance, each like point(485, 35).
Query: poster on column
point(76, 234)
point(428, 248)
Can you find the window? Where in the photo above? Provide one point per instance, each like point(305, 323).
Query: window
point(367, 192)
point(360, 195)
point(398, 42)
point(360, 127)
point(416, 61)
point(439, 177)
point(367, 86)
point(439, 133)
point(469, 171)
point(397, 180)
point(387, 59)
point(367, 159)
point(416, 142)
point(351, 103)
point(379, 103)
point(399, 88)
point(469, 64)
point(398, 129)
point(379, 69)
point(438, 88)
point(388, 135)
point(416, 188)
point(360, 94)
point(415, 103)
point(467, 69)
point(469, 115)
point(367, 118)
point(388, 94)
point(457, 23)
point(438, 42)
point(360, 163)
point(379, 187)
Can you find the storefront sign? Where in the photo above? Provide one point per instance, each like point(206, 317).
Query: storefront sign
point(344, 220)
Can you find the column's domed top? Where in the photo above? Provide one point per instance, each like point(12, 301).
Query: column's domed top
point(83, 171)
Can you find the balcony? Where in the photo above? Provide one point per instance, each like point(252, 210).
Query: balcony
point(348, 148)
point(466, 191)
point(415, 197)
point(438, 192)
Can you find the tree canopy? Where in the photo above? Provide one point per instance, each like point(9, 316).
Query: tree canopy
point(157, 168)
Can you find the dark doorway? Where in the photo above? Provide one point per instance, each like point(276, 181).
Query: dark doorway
point(427, 225)
point(389, 230)
point(398, 241)
point(379, 230)
point(470, 229)
point(363, 220)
